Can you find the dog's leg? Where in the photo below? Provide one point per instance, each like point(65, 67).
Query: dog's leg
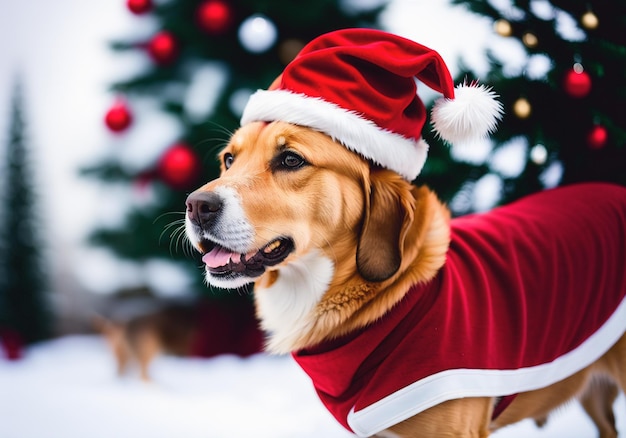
point(598, 403)
point(120, 350)
point(114, 334)
point(540, 422)
point(619, 362)
point(598, 397)
point(146, 348)
point(539, 403)
point(467, 418)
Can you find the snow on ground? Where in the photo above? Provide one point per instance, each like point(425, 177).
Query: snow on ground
point(67, 388)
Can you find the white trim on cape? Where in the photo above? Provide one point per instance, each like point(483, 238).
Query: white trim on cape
point(454, 384)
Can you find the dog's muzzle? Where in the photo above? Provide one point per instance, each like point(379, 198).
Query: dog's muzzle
point(221, 233)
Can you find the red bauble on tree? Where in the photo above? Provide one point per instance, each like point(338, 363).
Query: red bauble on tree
point(577, 82)
point(11, 343)
point(214, 16)
point(163, 48)
point(597, 137)
point(118, 118)
point(139, 6)
point(179, 166)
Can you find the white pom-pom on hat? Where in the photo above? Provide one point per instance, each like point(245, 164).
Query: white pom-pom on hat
point(472, 115)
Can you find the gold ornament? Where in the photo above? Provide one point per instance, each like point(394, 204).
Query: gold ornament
point(503, 28)
point(522, 108)
point(530, 40)
point(589, 20)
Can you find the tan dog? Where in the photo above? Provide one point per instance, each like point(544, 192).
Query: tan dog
point(138, 341)
point(197, 329)
point(408, 323)
point(333, 243)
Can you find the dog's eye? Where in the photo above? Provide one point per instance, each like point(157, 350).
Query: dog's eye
point(228, 160)
point(291, 160)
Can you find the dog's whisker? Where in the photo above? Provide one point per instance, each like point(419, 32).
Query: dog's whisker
point(183, 241)
point(178, 238)
point(188, 249)
point(177, 224)
point(243, 290)
point(166, 214)
point(175, 238)
point(177, 221)
point(166, 228)
point(219, 142)
point(220, 128)
point(213, 150)
point(172, 243)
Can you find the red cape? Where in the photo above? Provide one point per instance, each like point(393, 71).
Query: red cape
point(530, 294)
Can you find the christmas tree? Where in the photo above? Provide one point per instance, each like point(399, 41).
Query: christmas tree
point(564, 110)
point(563, 118)
point(206, 58)
point(24, 309)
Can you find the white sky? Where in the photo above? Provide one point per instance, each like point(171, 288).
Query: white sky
point(61, 49)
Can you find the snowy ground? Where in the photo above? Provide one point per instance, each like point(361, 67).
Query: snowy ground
point(67, 389)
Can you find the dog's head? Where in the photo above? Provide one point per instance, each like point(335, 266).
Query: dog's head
point(321, 231)
point(307, 189)
point(288, 192)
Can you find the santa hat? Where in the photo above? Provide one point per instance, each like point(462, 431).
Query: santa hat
point(358, 86)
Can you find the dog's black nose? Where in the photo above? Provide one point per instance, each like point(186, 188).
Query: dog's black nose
point(203, 207)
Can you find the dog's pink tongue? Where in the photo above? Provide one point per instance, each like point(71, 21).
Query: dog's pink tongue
point(218, 257)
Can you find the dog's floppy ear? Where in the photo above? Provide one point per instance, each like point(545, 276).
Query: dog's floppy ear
point(387, 217)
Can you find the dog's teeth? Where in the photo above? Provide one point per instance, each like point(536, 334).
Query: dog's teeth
point(271, 247)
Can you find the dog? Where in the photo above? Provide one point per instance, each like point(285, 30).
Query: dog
point(410, 323)
point(333, 243)
point(201, 328)
point(137, 341)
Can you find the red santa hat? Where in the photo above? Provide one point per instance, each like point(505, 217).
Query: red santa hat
point(358, 86)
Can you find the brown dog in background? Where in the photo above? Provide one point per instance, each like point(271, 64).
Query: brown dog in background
point(203, 328)
point(333, 243)
point(139, 340)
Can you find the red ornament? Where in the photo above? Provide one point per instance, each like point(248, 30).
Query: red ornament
point(139, 6)
point(577, 82)
point(163, 48)
point(597, 137)
point(179, 166)
point(118, 118)
point(11, 343)
point(214, 16)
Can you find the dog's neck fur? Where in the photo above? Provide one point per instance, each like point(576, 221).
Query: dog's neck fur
point(286, 305)
point(315, 298)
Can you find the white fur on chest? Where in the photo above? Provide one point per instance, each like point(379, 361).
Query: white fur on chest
point(287, 307)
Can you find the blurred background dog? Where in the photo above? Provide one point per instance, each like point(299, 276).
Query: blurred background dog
point(196, 328)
